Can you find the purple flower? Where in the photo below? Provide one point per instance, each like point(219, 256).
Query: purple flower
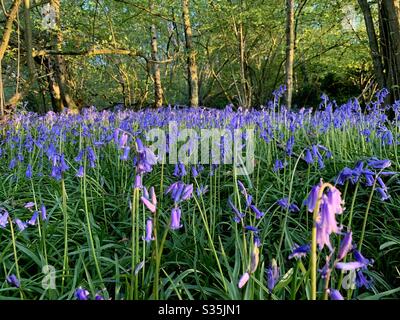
point(335, 294)
point(150, 204)
point(81, 294)
point(43, 213)
point(258, 213)
point(243, 280)
point(98, 297)
point(284, 203)
point(187, 192)
point(278, 165)
point(326, 223)
point(346, 266)
point(379, 164)
point(312, 198)
point(125, 155)
point(149, 231)
point(345, 245)
point(3, 218)
point(33, 219)
point(175, 219)
point(81, 172)
point(309, 158)
point(138, 182)
point(29, 172)
point(362, 281)
point(383, 194)
point(252, 229)
point(29, 205)
point(13, 281)
point(272, 275)
point(20, 224)
point(300, 251)
point(335, 201)
point(360, 258)
point(238, 215)
point(146, 158)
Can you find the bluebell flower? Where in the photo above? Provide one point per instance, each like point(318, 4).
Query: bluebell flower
point(33, 219)
point(259, 214)
point(251, 228)
point(81, 172)
point(300, 251)
point(345, 245)
point(81, 294)
point(312, 198)
point(98, 297)
point(176, 219)
point(238, 215)
point(20, 224)
point(29, 172)
point(13, 281)
point(379, 164)
point(309, 158)
point(278, 165)
point(272, 275)
point(243, 280)
point(383, 194)
point(362, 281)
point(3, 218)
point(149, 231)
point(335, 294)
point(43, 213)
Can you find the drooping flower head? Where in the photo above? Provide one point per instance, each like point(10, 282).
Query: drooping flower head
point(81, 294)
point(13, 281)
point(176, 219)
point(272, 275)
point(243, 280)
point(300, 251)
point(149, 231)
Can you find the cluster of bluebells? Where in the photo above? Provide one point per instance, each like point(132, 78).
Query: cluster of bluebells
point(328, 206)
point(369, 173)
point(22, 225)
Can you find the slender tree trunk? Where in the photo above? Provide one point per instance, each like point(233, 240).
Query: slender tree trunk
point(4, 43)
point(392, 10)
point(289, 51)
point(373, 43)
point(158, 90)
point(59, 85)
point(193, 82)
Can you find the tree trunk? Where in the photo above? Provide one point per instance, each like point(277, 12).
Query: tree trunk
point(158, 90)
point(389, 19)
point(4, 43)
point(373, 43)
point(59, 85)
point(191, 57)
point(289, 51)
